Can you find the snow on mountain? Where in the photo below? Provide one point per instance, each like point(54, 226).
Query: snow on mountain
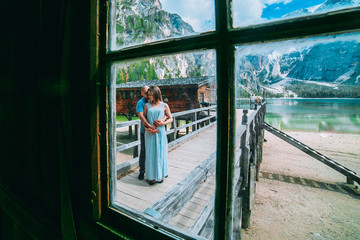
point(311, 63)
point(273, 67)
point(329, 5)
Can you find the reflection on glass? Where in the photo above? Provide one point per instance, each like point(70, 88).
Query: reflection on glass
point(313, 82)
point(185, 198)
point(249, 12)
point(137, 22)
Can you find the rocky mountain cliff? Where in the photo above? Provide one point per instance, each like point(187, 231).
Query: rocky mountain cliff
point(142, 21)
point(332, 64)
point(326, 68)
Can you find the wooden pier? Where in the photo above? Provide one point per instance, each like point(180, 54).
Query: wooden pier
point(185, 200)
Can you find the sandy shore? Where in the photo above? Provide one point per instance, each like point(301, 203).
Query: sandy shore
point(285, 210)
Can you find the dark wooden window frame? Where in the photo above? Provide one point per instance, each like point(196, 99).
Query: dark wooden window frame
point(223, 40)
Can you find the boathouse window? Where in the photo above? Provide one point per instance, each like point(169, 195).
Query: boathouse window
point(149, 42)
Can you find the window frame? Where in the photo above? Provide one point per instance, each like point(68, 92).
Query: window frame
point(223, 40)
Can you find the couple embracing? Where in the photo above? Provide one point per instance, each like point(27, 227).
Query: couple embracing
point(154, 114)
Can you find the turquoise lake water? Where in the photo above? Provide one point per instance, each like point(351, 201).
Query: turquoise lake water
point(318, 115)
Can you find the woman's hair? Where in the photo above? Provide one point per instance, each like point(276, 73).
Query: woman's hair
point(155, 90)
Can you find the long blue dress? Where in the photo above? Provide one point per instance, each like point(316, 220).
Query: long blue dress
point(156, 146)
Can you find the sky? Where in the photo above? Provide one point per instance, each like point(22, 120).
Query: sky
point(200, 13)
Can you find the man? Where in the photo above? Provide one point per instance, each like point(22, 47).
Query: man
point(144, 124)
point(140, 112)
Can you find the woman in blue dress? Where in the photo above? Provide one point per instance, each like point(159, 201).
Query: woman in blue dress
point(156, 144)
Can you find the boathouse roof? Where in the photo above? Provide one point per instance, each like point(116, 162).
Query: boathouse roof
point(194, 81)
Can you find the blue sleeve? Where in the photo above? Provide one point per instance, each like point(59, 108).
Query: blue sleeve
point(140, 106)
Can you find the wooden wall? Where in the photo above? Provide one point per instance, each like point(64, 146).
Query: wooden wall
point(47, 117)
point(179, 98)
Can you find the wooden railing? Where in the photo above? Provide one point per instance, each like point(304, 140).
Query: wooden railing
point(196, 120)
point(250, 138)
point(249, 157)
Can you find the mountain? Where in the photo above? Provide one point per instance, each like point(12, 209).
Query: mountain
point(329, 5)
point(144, 21)
point(319, 63)
point(328, 68)
point(336, 4)
point(327, 65)
point(137, 22)
point(310, 68)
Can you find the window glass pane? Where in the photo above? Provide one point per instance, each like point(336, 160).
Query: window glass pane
point(185, 198)
point(249, 12)
point(312, 89)
point(303, 69)
point(137, 22)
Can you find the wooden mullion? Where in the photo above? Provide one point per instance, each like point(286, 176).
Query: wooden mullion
point(169, 46)
point(225, 166)
point(308, 26)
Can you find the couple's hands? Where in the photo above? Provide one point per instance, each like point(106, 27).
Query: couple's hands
point(152, 129)
point(159, 123)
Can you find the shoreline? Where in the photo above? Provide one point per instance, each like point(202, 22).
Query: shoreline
point(317, 132)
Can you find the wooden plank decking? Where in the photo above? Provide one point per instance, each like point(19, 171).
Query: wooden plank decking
point(182, 160)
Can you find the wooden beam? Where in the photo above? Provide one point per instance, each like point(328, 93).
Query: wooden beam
point(171, 203)
point(126, 166)
point(315, 154)
point(127, 146)
point(203, 216)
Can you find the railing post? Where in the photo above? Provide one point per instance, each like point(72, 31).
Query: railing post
point(177, 124)
point(261, 137)
point(244, 164)
point(187, 128)
point(195, 119)
point(257, 144)
point(173, 126)
point(244, 118)
point(252, 142)
point(130, 132)
point(136, 152)
point(208, 121)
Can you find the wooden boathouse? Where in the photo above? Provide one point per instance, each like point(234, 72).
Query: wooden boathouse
point(180, 94)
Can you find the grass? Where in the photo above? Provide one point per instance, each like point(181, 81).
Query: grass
point(124, 119)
